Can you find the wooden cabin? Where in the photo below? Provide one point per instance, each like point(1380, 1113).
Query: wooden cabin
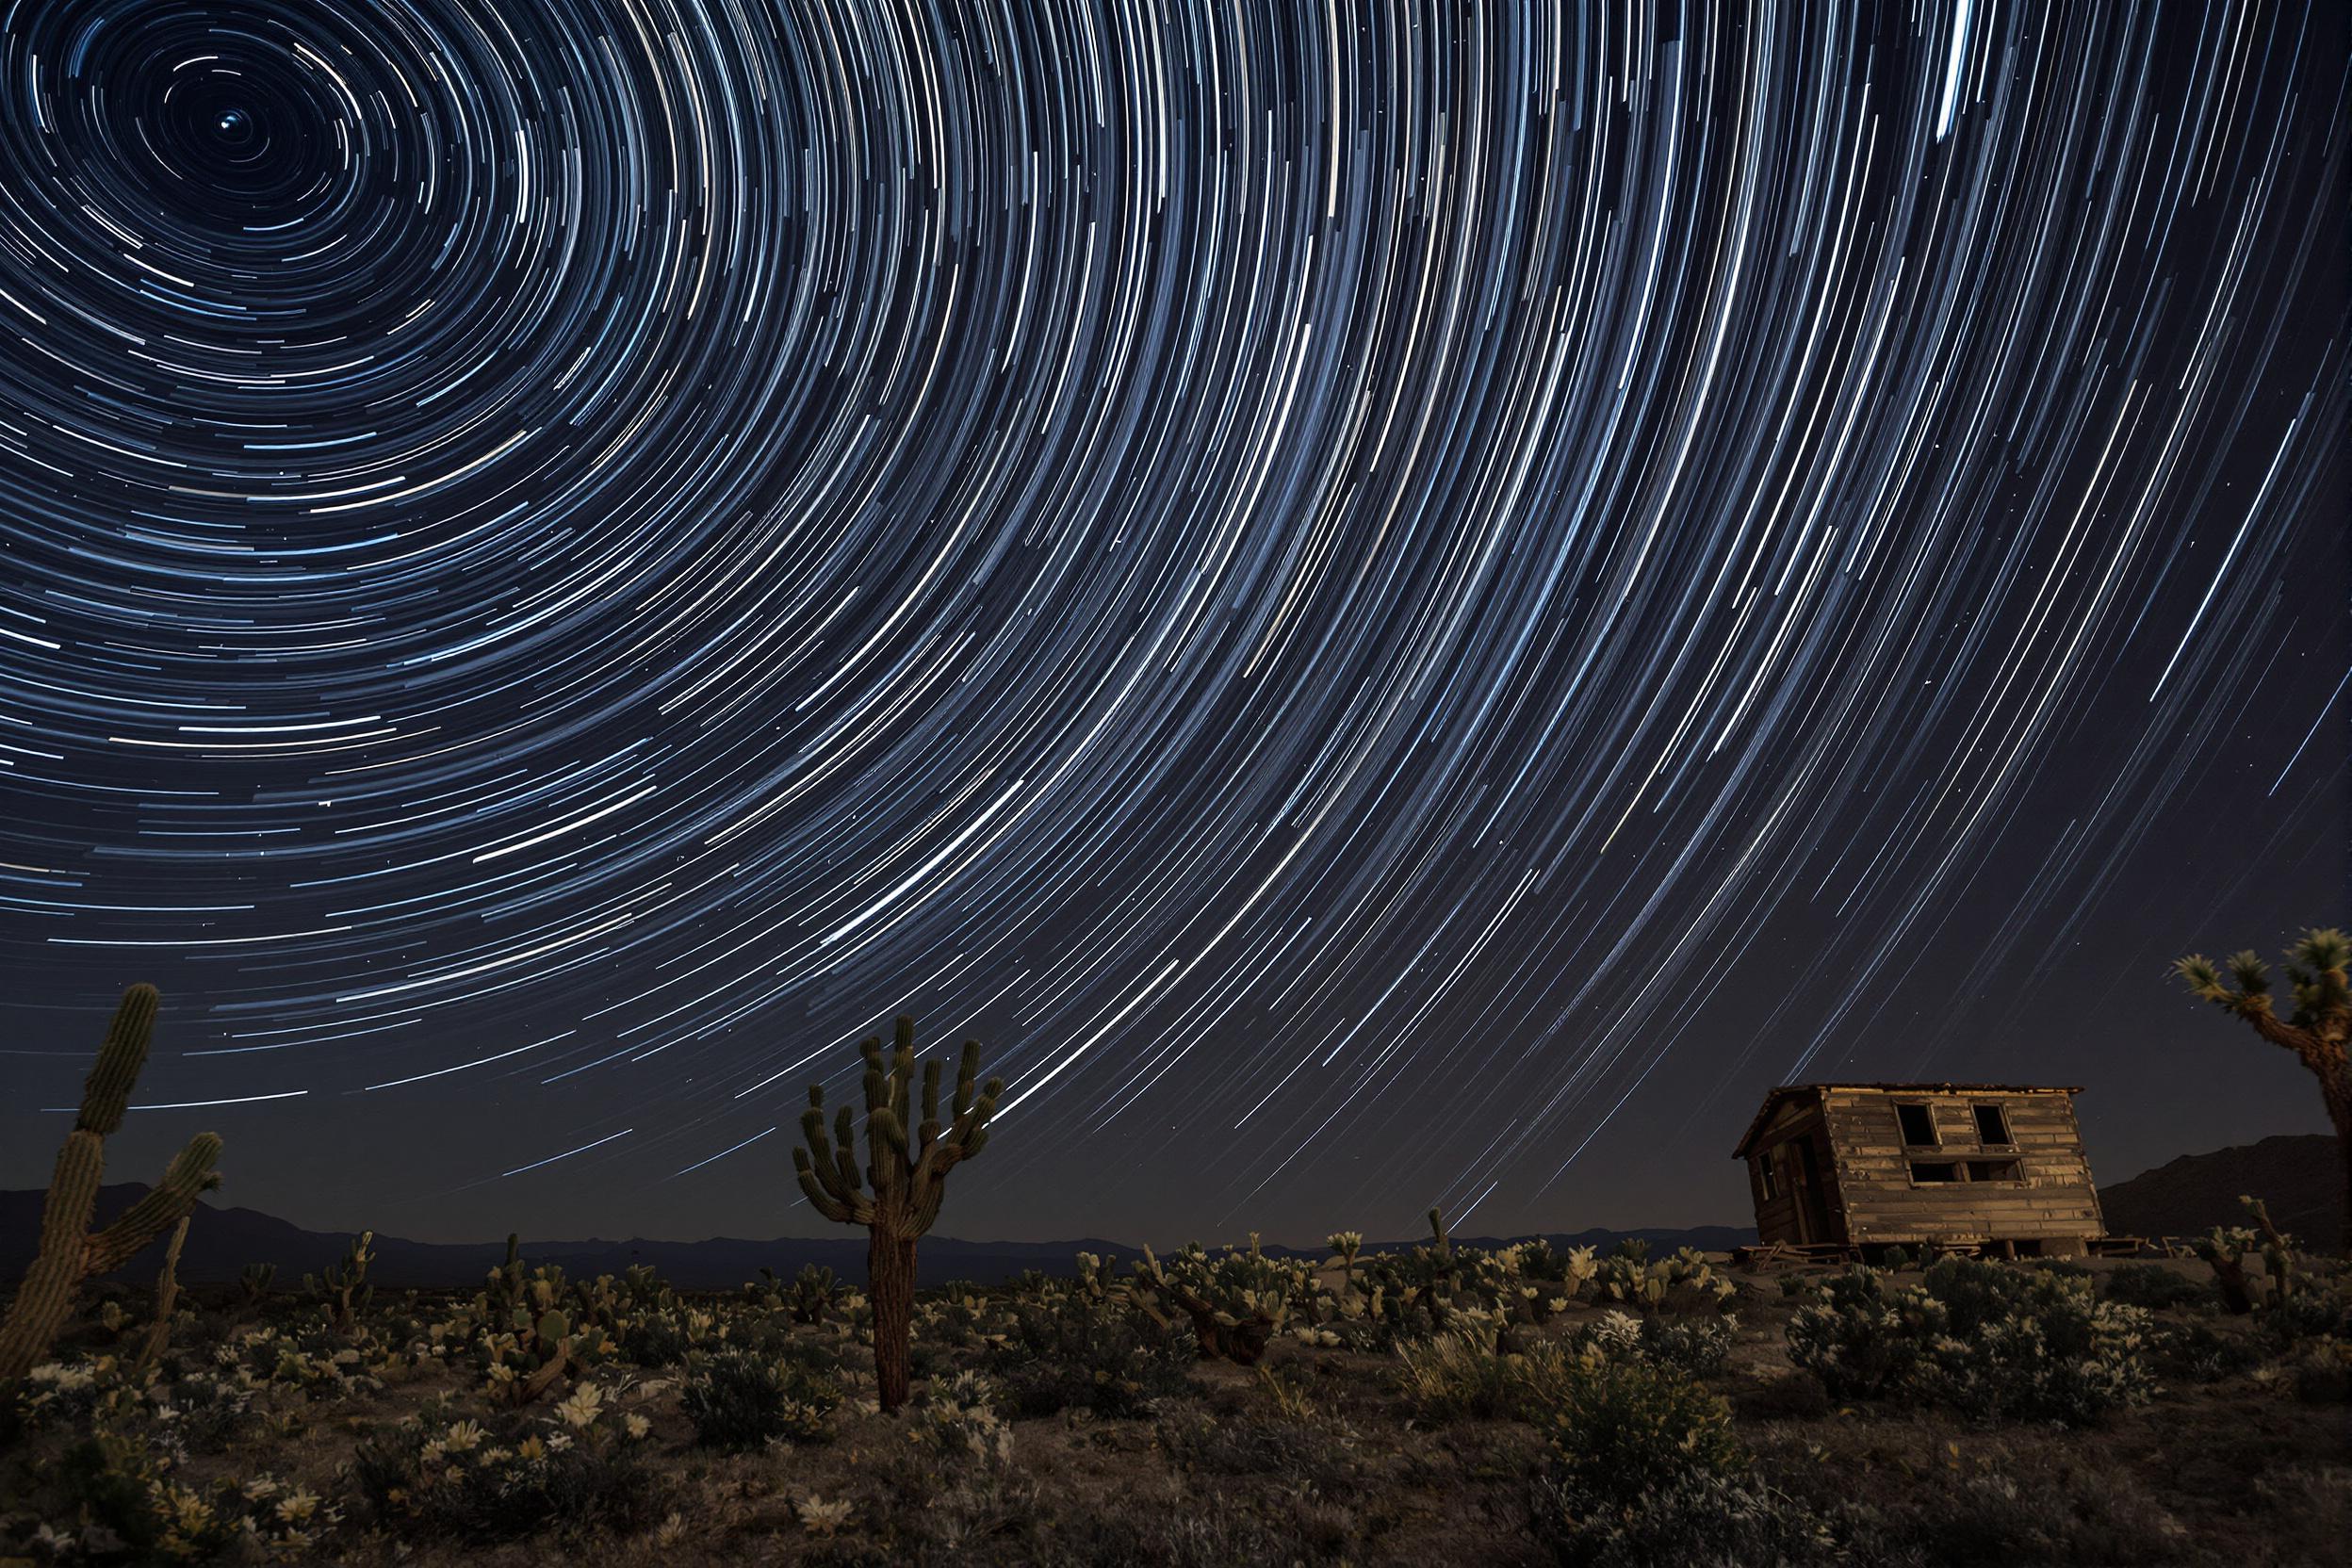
point(1991, 1167)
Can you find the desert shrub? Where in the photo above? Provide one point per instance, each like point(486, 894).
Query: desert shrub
point(2155, 1287)
point(1989, 1514)
point(1684, 1282)
point(2307, 1512)
point(201, 1414)
point(2319, 1371)
point(1235, 1302)
point(580, 1468)
point(1702, 1520)
point(962, 1318)
point(2315, 1309)
point(1076, 1352)
point(1539, 1260)
point(1311, 1452)
point(241, 1520)
point(957, 1422)
point(813, 1294)
point(657, 1339)
point(1210, 1532)
point(56, 1395)
point(314, 1360)
point(1459, 1378)
point(1694, 1347)
point(1616, 1335)
point(742, 1400)
point(1465, 1377)
point(1977, 1337)
point(1618, 1431)
point(2198, 1352)
point(108, 1496)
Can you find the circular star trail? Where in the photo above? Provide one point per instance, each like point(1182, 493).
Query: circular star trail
point(1320, 577)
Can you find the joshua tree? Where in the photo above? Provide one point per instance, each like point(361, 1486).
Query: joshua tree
point(908, 1177)
point(2316, 1031)
point(70, 1252)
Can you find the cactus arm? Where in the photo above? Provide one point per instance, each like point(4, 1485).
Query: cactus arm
point(166, 1300)
point(107, 1092)
point(930, 1106)
point(838, 1176)
point(840, 1209)
point(966, 1074)
point(191, 1176)
point(902, 1065)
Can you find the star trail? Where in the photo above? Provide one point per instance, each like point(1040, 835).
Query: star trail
point(1394, 604)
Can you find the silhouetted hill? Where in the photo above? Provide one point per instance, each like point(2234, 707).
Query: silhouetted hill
point(2297, 1175)
point(223, 1240)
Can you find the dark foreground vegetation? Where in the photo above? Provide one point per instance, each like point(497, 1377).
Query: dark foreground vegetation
point(1437, 1406)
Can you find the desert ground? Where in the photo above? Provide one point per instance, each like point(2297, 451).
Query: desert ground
point(1421, 1406)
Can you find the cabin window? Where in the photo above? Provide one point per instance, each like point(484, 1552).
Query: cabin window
point(1769, 1177)
point(1934, 1170)
point(1991, 1125)
point(1992, 1170)
point(1919, 1125)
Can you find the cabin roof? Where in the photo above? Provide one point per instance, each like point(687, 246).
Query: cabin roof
point(1772, 1100)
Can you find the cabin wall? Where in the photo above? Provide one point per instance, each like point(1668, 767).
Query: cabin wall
point(1780, 1219)
point(2052, 1200)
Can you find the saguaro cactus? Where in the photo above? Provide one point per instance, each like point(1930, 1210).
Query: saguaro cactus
point(907, 1175)
point(2318, 1029)
point(70, 1252)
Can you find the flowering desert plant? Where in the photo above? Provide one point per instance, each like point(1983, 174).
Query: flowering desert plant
point(582, 1463)
point(1977, 1337)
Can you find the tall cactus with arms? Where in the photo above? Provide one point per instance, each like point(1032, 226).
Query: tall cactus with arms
point(70, 1252)
point(908, 1177)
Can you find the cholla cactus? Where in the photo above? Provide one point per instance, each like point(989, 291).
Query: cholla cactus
point(813, 1294)
point(527, 1361)
point(1346, 1246)
point(70, 1252)
point(958, 1422)
point(1235, 1303)
point(1685, 1280)
point(254, 1284)
point(2280, 1257)
point(2316, 1030)
point(907, 1169)
point(2226, 1247)
point(342, 1288)
point(1094, 1281)
point(1577, 1266)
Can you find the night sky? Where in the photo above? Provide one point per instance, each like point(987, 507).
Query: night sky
point(1392, 604)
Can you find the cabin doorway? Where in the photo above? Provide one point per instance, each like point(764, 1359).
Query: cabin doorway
point(1811, 1196)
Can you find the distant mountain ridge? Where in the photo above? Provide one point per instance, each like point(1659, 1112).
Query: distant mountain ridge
point(2297, 1176)
point(223, 1240)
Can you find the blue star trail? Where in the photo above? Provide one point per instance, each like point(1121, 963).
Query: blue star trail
point(1354, 589)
